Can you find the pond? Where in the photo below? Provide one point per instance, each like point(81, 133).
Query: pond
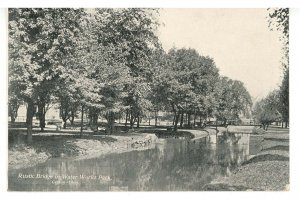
point(169, 165)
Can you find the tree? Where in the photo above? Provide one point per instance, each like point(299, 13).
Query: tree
point(204, 81)
point(112, 76)
point(14, 100)
point(39, 40)
point(266, 111)
point(284, 98)
point(182, 82)
point(279, 20)
point(233, 100)
point(68, 102)
point(132, 32)
point(159, 71)
point(200, 74)
point(13, 107)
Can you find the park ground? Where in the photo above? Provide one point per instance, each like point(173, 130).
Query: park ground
point(68, 144)
point(266, 171)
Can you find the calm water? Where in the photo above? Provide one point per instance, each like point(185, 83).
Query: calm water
point(169, 165)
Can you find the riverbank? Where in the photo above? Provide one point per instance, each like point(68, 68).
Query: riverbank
point(67, 144)
point(48, 145)
point(266, 171)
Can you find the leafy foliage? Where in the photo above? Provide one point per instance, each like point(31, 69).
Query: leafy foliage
point(266, 110)
point(233, 100)
point(279, 20)
point(109, 62)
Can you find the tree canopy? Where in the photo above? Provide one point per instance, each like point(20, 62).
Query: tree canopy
point(266, 110)
point(279, 21)
point(110, 62)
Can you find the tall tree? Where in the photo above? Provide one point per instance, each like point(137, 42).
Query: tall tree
point(184, 82)
point(13, 106)
point(279, 20)
point(266, 111)
point(132, 31)
point(39, 40)
point(233, 100)
point(284, 98)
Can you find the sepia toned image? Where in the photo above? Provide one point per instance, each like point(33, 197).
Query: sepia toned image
point(140, 99)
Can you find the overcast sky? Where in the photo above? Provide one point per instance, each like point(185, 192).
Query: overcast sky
point(239, 41)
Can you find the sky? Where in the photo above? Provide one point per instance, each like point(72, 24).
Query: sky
point(239, 41)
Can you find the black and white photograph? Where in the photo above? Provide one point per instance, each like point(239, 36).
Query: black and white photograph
point(148, 99)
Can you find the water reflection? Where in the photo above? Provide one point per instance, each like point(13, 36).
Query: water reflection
point(172, 165)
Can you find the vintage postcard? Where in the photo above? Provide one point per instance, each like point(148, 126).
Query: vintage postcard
point(148, 99)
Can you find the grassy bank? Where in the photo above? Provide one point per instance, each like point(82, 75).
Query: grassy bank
point(48, 145)
point(267, 170)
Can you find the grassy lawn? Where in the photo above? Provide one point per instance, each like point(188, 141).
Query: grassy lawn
point(52, 144)
point(267, 170)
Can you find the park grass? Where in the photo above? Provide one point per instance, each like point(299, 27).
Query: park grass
point(50, 144)
point(25, 156)
point(66, 143)
point(266, 171)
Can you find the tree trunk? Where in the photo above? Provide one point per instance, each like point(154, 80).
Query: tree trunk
point(13, 111)
point(155, 114)
point(111, 122)
point(13, 108)
point(176, 121)
point(90, 116)
point(64, 114)
point(94, 117)
point(138, 122)
point(126, 118)
point(29, 117)
point(81, 122)
point(189, 120)
point(13, 115)
point(186, 118)
point(225, 121)
point(200, 121)
point(174, 118)
point(149, 121)
point(131, 119)
point(286, 124)
point(42, 113)
point(216, 130)
point(72, 118)
point(12, 119)
point(96, 120)
point(74, 108)
point(181, 119)
point(65, 123)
